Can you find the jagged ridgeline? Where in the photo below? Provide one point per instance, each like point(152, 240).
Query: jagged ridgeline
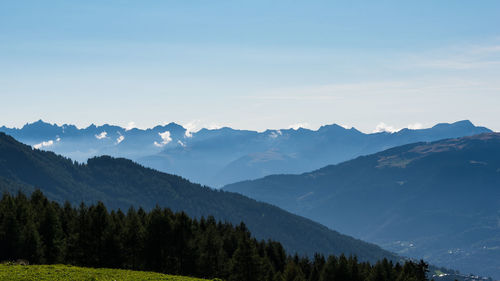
point(120, 183)
point(222, 156)
point(42, 231)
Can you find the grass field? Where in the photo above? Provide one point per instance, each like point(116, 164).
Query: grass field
point(67, 273)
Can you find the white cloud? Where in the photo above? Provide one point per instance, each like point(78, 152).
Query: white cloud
point(191, 128)
point(345, 126)
point(119, 139)
point(130, 126)
point(196, 125)
point(165, 136)
point(299, 125)
point(101, 136)
point(43, 144)
point(46, 143)
point(213, 126)
point(181, 143)
point(415, 126)
point(382, 127)
point(275, 134)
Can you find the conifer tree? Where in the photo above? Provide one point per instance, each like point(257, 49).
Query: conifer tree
point(329, 270)
point(133, 239)
point(113, 240)
point(293, 273)
point(10, 229)
point(245, 263)
point(99, 222)
point(158, 244)
point(377, 273)
point(51, 234)
point(317, 266)
point(210, 258)
point(31, 245)
point(183, 245)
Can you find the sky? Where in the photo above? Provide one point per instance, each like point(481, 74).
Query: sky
point(372, 65)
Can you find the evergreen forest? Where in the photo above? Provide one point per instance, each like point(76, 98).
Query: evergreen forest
point(41, 231)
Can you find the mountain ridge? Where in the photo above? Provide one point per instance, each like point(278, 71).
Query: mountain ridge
point(217, 157)
point(120, 183)
point(434, 199)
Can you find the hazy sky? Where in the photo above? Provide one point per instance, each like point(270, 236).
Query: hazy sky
point(250, 64)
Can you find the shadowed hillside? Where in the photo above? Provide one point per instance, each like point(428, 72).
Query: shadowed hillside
point(437, 200)
point(120, 183)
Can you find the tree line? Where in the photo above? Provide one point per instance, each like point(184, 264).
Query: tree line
point(46, 232)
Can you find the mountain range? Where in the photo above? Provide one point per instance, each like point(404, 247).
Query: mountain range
point(437, 200)
point(121, 183)
point(221, 156)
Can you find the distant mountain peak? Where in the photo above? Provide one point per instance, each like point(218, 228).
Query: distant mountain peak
point(332, 126)
point(172, 126)
point(464, 122)
point(337, 128)
point(38, 124)
point(461, 123)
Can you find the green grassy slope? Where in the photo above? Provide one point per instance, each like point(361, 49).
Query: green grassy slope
point(66, 272)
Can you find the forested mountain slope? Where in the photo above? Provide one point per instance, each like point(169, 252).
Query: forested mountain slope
point(438, 200)
point(120, 183)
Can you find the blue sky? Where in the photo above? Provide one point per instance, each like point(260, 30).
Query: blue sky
point(250, 64)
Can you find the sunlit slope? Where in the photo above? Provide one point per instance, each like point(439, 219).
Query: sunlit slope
point(66, 272)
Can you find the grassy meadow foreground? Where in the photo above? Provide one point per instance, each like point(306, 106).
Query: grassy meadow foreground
point(66, 272)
